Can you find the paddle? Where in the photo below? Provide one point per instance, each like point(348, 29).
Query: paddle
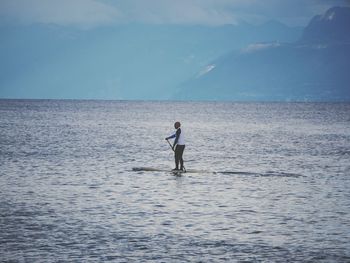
point(174, 151)
point(170, 145)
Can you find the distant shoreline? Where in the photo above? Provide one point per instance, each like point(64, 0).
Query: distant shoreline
point(184, 101)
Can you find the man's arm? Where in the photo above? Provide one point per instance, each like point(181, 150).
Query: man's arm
point(171, 136)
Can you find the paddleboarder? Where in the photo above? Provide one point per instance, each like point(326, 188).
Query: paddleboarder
point(178, 146)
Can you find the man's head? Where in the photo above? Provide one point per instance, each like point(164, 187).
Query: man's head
point(177, 125)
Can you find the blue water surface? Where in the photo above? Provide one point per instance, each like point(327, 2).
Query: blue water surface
point(275, 185)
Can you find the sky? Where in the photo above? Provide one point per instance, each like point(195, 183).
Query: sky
point(87, 14)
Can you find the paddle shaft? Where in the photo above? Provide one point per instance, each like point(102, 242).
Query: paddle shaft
point(170, 145)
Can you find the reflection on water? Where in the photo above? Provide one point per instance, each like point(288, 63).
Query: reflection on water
point(68, 192)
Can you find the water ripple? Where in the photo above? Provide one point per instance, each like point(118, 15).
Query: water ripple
point(271, 182)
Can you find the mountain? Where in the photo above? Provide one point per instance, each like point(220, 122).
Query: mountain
point(314, 68)
point(331, 27)
point(130, 61)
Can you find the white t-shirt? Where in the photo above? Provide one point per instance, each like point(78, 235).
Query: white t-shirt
point(181, 139)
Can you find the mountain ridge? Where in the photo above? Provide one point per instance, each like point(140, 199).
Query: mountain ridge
point(310, 69)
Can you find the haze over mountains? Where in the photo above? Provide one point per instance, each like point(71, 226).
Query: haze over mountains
point(271, 61)
point(125, 62)
point(314, 68)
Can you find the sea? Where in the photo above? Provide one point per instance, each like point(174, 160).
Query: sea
point(273, 182)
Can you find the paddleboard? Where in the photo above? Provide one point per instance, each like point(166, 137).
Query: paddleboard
point(238, 173)
point(151, 169)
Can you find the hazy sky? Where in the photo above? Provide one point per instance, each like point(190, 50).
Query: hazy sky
point(87, 14)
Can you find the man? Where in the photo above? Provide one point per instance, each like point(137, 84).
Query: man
point(178, 146)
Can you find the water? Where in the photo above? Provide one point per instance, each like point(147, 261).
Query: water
point(68, 193)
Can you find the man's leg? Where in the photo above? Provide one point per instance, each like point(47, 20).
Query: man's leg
point(182, 148)
point(177, 157)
